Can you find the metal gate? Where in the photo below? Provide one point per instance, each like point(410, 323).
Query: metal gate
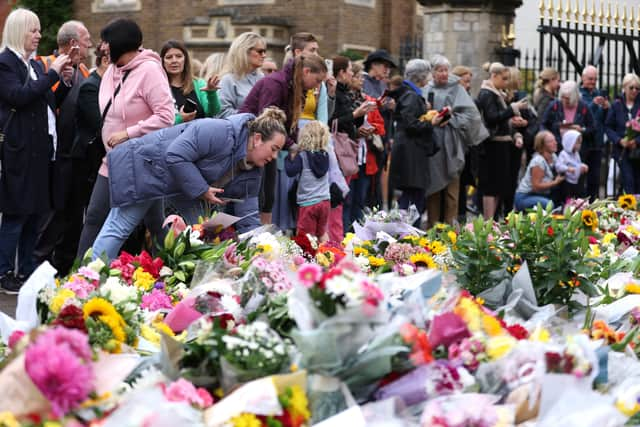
point(574, 34)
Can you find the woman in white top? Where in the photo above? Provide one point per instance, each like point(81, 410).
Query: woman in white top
point(538, 180)
point(241, 71)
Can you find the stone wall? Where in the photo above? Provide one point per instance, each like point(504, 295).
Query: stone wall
point(467, 34)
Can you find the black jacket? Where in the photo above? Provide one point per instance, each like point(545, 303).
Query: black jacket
point(27, 149)
point(494, 113)
point(343, 112)
point(413, 141)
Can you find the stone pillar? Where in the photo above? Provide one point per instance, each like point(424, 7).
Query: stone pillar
point(467, 32)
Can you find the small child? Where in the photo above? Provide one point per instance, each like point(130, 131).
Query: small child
point(570, 164)
point(311, 165)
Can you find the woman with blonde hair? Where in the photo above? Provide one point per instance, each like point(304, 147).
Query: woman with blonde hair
point(29, 127)
point(546, 89)
point(495, 161)
point(207, 159)
point(241, 71)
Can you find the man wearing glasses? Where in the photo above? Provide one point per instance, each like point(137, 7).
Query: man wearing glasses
point(593, 147)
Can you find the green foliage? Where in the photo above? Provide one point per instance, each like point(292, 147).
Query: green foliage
point(555, 248)
point(52, 14)
point(480, 257)
point(352, 54)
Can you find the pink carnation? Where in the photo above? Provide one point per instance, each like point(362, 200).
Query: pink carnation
point(309, 274)
point(89, 273)
point(80, 286)
point(156, 300)
point(59, 364)
point(184, 391)
point(14, 338)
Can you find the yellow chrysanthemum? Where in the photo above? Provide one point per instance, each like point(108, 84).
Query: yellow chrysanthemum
point(359, 250)
point(540, 334)
point(589, 219)
point(498, 347)
point(441, 226)
point(58, 301)
point(150, 335)
point(594, 251)
point(469, 311)
point(143, 280)
point(608, 238)
point(423, 259)
point(264, 247)
point(98, 307)
point(347, 239)
point(633, 230)
point(628, 409)
point(491, 326)
point(376, 261)
point(437, 247)
point(298, 403)
point(453, 237)
point(246, 420)
point(51, 424)
point(627, 201)
point(423, 242)
point(632, 288)
point(164, 328)
point(7, 419)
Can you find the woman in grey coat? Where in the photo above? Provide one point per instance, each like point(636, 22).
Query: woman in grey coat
point(214, 160)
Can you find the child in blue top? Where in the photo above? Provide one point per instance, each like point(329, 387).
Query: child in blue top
point(311, 166)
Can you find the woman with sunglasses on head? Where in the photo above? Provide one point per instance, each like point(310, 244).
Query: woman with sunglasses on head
point(194, 98)
point(621, 111)
point(214, 160)
point(241, 71)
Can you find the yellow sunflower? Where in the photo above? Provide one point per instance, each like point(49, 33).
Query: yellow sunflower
point(632, 288)
point(359, 250)
point(376, 261)
point(627, 201)
point(58, 301)
point(98, 307)
point(453, 237)
point(423, 259)
point(437, 247)
point(590, 219)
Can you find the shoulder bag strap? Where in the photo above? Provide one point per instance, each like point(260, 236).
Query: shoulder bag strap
point(115, 93)
point(11, 113)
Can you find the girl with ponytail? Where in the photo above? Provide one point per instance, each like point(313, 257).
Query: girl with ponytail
point(285, 89)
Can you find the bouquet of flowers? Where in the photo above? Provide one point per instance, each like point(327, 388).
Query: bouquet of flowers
point(395, 222)
point(632, 128)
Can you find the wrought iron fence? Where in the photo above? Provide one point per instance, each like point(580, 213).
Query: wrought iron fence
point(410, 47)
point(573, 35)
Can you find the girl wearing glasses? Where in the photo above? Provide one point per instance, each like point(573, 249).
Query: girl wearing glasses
point(194, 98)
point(241, 71)
point(208, 159)
point(625, 150)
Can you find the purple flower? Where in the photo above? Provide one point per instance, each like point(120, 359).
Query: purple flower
point(159, 285)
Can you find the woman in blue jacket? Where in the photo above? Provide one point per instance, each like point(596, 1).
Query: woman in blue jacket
point(625, 150)
point(208, 159)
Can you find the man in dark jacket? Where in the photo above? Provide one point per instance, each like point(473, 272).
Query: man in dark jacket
point(60, 230)
point(593, 147)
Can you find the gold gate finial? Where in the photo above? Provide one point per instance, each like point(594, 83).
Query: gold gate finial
point(616, 15)
point(607, 16)
point(623, 17)
point(567, 12)
point(550, 9)
point(541, 8)
point(576, 12)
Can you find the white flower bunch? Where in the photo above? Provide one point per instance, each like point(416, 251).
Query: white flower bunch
point(256, 346)
point(268, 243)
point(118, 292)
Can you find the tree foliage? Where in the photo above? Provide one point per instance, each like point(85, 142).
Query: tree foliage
point(52, 14)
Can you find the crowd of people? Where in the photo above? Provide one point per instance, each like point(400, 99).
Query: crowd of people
point(90, 155)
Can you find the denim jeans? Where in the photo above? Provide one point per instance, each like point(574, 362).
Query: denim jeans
point(18, 232)
point(530, 200)
point(356, 201)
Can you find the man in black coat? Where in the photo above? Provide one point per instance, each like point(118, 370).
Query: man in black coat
point(60, 229)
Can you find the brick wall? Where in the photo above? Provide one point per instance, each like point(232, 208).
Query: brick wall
point(335, 22)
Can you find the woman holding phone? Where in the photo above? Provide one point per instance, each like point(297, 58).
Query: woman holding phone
point(194, 98)
point(208, 159)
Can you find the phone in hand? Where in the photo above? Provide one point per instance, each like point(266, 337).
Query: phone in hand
point(189, 106)
point(329, 64)
point(445, 114)
point(230, 200)
point(380, 100)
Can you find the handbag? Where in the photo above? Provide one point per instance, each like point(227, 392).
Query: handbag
point(346, 151)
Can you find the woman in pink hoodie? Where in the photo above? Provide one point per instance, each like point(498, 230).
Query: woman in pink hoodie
point(134, 99)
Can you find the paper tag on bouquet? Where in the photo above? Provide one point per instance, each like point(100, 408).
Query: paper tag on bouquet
point(222, 219)
point(352, 417)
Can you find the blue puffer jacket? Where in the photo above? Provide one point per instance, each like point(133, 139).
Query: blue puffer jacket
point(184, 159)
